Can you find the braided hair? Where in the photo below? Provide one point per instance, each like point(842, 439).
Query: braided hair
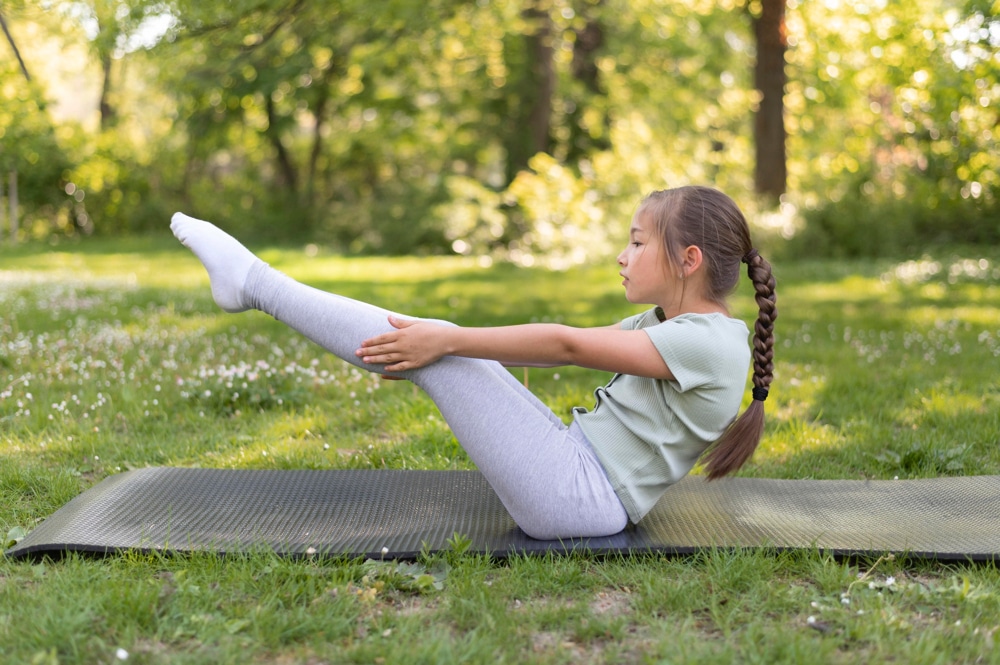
point(709, 219)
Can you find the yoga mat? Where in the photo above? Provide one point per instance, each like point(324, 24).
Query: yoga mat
point(396, 514)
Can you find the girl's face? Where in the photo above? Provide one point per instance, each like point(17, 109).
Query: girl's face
point(644, 266)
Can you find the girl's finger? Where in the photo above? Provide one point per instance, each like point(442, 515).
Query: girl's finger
point(399, 323)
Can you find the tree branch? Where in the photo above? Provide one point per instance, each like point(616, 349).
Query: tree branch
point(17, 54)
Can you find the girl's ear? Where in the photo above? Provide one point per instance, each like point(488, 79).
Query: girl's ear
point(691, 259)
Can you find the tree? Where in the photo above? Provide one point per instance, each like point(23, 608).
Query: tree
point(588, 119)
point(31, 158)
point(112, 27)
point(531, 93)
point(13, 47)
point(770, 171)
point(313, 106)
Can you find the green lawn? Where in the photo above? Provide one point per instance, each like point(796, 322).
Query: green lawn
point(112, 357)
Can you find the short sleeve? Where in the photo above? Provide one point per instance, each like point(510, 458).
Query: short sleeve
point(647, 318)
point(698, 350)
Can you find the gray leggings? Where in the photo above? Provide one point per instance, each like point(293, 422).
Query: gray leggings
point(545, 472)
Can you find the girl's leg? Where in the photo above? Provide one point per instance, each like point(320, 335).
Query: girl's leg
point(544, 472)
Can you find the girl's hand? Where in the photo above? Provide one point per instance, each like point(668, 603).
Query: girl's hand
point(413, 344)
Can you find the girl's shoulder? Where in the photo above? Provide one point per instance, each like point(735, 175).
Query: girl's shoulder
point(707, 321)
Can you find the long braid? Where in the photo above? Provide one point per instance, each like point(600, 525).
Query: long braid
point(759, 272)
point(739, 442)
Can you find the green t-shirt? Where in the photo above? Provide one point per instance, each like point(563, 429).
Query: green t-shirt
point(649, 433)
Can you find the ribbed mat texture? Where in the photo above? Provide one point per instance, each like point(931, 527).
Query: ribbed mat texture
point(396, 514)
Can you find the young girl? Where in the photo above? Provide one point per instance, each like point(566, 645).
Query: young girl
point(679, 368)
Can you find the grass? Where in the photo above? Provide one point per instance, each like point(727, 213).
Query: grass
point(113, 357)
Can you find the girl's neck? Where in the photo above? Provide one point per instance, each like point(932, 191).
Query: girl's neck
point(697, 307)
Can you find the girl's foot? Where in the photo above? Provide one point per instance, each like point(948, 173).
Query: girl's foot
point(227, 261)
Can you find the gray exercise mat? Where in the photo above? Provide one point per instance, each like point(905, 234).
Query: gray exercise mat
point(396, 514)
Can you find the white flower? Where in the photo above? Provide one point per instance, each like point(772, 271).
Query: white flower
point(121, 654)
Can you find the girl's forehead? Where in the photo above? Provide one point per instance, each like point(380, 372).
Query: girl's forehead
point(642, 221)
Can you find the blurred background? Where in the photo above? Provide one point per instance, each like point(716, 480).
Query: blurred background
point(515, 130)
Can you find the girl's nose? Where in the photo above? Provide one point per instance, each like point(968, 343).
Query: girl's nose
point(621, 259)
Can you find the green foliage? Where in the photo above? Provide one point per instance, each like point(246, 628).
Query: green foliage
point(117, 191)
point(443, 126)
point(894, 152)
point(871, 222)
point(29, 146)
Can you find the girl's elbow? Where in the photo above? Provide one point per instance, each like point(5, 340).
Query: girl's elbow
point(573, 351)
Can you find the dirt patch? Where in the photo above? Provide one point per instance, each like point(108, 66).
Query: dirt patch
point(613, 603)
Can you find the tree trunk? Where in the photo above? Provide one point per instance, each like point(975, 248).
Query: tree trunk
point(317, 138)
point(107, 111)
point(589, 40)
point(770, 173)
point(286, 169)
point(531, 98)
point(585, 140)
point(12, 199)
point(3, 214)
point(544, 77)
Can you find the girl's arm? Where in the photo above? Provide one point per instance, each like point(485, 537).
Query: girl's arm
point(416, 344)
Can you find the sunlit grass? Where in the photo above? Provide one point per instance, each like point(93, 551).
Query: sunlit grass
point(113, 357)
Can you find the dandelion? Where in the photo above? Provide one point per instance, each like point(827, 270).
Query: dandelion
point(121, 654)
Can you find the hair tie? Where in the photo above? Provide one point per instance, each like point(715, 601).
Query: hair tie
point(749, 256)
point(759, 394)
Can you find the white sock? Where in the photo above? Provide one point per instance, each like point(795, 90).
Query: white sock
point(227, 261)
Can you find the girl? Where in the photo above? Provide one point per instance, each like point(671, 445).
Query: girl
point(679, 369)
